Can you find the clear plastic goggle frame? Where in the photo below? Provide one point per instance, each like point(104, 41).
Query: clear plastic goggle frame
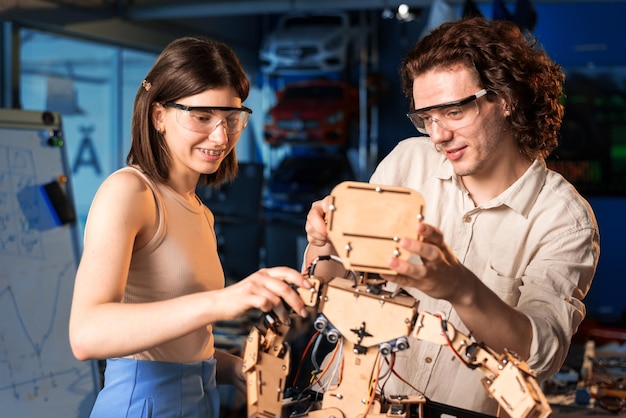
point(449, 116)
point(205, 119)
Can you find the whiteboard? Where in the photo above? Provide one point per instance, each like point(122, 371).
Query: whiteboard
point(39, 376)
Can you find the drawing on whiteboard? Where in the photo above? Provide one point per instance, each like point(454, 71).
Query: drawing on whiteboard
point(39, 375)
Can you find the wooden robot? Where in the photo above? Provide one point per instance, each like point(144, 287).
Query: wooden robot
point(369, 323)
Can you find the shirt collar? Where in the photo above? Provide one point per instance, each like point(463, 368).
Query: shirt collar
point(520, 196)
point(444, 171)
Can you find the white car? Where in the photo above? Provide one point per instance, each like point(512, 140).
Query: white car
point(308, 43)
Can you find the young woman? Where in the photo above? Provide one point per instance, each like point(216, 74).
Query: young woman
point(150, 284)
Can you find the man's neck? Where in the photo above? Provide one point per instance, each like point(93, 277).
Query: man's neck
point(484, 187)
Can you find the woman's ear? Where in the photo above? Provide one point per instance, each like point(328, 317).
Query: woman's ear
point(158, 116)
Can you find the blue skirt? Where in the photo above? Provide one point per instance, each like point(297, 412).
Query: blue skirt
point(144, 389)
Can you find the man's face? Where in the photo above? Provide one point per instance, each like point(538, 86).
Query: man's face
point(462, 123)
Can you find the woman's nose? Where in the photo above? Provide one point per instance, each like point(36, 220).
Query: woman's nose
point(219, 132)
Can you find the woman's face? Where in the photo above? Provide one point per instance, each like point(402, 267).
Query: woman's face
point(199, 136)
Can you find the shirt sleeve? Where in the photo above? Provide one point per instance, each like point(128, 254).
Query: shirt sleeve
point(552, 293)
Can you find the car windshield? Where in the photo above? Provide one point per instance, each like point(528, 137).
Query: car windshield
point(299, 22)
point(310, 92)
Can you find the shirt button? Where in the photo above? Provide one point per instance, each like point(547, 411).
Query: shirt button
point(428, 360)
point(467, 219)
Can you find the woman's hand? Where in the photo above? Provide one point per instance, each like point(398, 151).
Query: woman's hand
point(266, 290)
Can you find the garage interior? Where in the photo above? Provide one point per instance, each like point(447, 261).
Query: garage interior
point(261, 215)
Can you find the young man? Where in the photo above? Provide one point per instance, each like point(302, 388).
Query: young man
point(509, 248)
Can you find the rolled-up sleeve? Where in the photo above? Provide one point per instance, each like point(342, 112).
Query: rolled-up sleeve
point(552, 295)
point(536, 245)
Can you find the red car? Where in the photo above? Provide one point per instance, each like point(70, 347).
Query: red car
point(314, 112)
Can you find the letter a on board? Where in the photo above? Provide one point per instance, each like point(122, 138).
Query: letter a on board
point(86, 156)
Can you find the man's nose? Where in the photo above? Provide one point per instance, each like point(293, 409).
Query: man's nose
point(438, 134)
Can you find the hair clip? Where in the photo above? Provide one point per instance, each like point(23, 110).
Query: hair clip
point(146, 85)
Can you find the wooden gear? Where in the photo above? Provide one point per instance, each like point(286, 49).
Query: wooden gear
point(374, 322)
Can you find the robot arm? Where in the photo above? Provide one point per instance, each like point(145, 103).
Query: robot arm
point(508, 379)
point(371, 322)
point(266, 365)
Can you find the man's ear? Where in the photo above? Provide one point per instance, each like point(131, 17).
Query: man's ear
point(506, 108)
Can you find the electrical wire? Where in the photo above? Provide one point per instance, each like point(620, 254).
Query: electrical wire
point(306, 350)
point(316, 378)
point(444, 332)
point(373, 385)
point(402, 379)
point(338, 369)
point(388, 373)
point(310, 269)
point(316, 347)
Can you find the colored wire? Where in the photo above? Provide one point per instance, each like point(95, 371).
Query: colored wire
point(373, 385)
point(306, 350)
point(316, 347)
point(317, 378)
point(444, 332)
point(403, 380)
point(337, 370)
point(389, 372)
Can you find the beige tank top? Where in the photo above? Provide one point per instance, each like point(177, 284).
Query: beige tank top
point(180, 259)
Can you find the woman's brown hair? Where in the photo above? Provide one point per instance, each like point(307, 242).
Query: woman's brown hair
point(187, 66)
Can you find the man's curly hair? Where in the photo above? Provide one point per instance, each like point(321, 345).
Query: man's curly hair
point(507, 63)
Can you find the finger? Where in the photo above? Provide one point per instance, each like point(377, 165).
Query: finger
point(316, 218)
point(429, 233)
point(316, 241)
point(399, 279)
point(266, 299)
point(288, 275)
point(292, 299)
point(281, 312)
point(428, 251)
point(281, 277)
point(404, 268)
point(315, 226)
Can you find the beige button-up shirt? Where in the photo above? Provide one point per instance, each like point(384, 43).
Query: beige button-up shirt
point(536, 246)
